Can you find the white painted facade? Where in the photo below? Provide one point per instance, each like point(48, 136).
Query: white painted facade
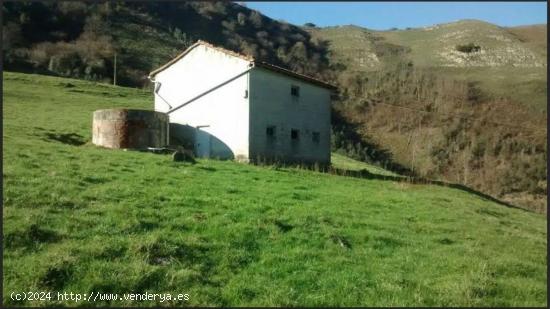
point(244, 112)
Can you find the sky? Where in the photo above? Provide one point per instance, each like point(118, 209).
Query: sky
point(386, 15)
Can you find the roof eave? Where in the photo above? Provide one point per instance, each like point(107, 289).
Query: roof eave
point(296, 75)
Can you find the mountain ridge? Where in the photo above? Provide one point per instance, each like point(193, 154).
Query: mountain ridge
point(498, 46)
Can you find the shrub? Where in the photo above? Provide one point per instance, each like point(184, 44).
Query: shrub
point(299, 51)
point(255, 19)
point(250, 49)
point(11, 36)
point(241, 19)
point(468, 48)
point(229, 25)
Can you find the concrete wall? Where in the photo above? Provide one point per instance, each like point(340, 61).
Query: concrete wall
point(271, 104)
point(129, 128)
point(222, 115)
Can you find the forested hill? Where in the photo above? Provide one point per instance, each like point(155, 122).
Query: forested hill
point(462, 102)
point(80, 40)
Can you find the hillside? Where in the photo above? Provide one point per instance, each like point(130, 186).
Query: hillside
point(82, 219)
point(463, 102)
point(535, 36)
point(77, 39)
point(460, 102)
point(436, 45)
point(506, 57)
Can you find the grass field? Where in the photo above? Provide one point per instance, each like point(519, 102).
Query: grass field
point(81, 219)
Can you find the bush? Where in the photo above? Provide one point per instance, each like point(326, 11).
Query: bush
point(468, 48)
point(250, 49)
point(241, 19)
point(256, 19)
point(229, 25)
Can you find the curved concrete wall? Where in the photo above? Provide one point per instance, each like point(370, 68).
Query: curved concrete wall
point(129, 128)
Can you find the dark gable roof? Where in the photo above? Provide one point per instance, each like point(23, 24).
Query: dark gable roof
point(256, 63)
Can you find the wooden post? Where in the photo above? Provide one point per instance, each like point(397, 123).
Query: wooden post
point(114, 71)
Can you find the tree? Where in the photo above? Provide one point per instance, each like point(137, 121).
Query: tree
point(241, 19)
point(255, 19)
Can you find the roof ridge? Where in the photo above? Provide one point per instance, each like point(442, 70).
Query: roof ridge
point(257, 62)
point(225, 50)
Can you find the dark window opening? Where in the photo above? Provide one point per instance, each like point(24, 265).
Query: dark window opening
point(316, 137)
point(294, 134)
point(270, 131)
point(295, 91)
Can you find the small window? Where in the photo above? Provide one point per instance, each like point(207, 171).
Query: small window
point(294, 134)
point(270, 131)
point(295, 91)
point(316, 137)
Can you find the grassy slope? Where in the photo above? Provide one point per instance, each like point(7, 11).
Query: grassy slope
point(346, 163)
point(523, 84)
point(78, 218)
point(534, 36)
point(355, 46)
point(350, 45)
point(427, 43)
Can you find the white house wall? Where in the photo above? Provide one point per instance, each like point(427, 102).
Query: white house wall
point(223, 113)
point(271, 104)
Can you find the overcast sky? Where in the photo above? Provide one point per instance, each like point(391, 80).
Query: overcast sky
point(385, 15)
